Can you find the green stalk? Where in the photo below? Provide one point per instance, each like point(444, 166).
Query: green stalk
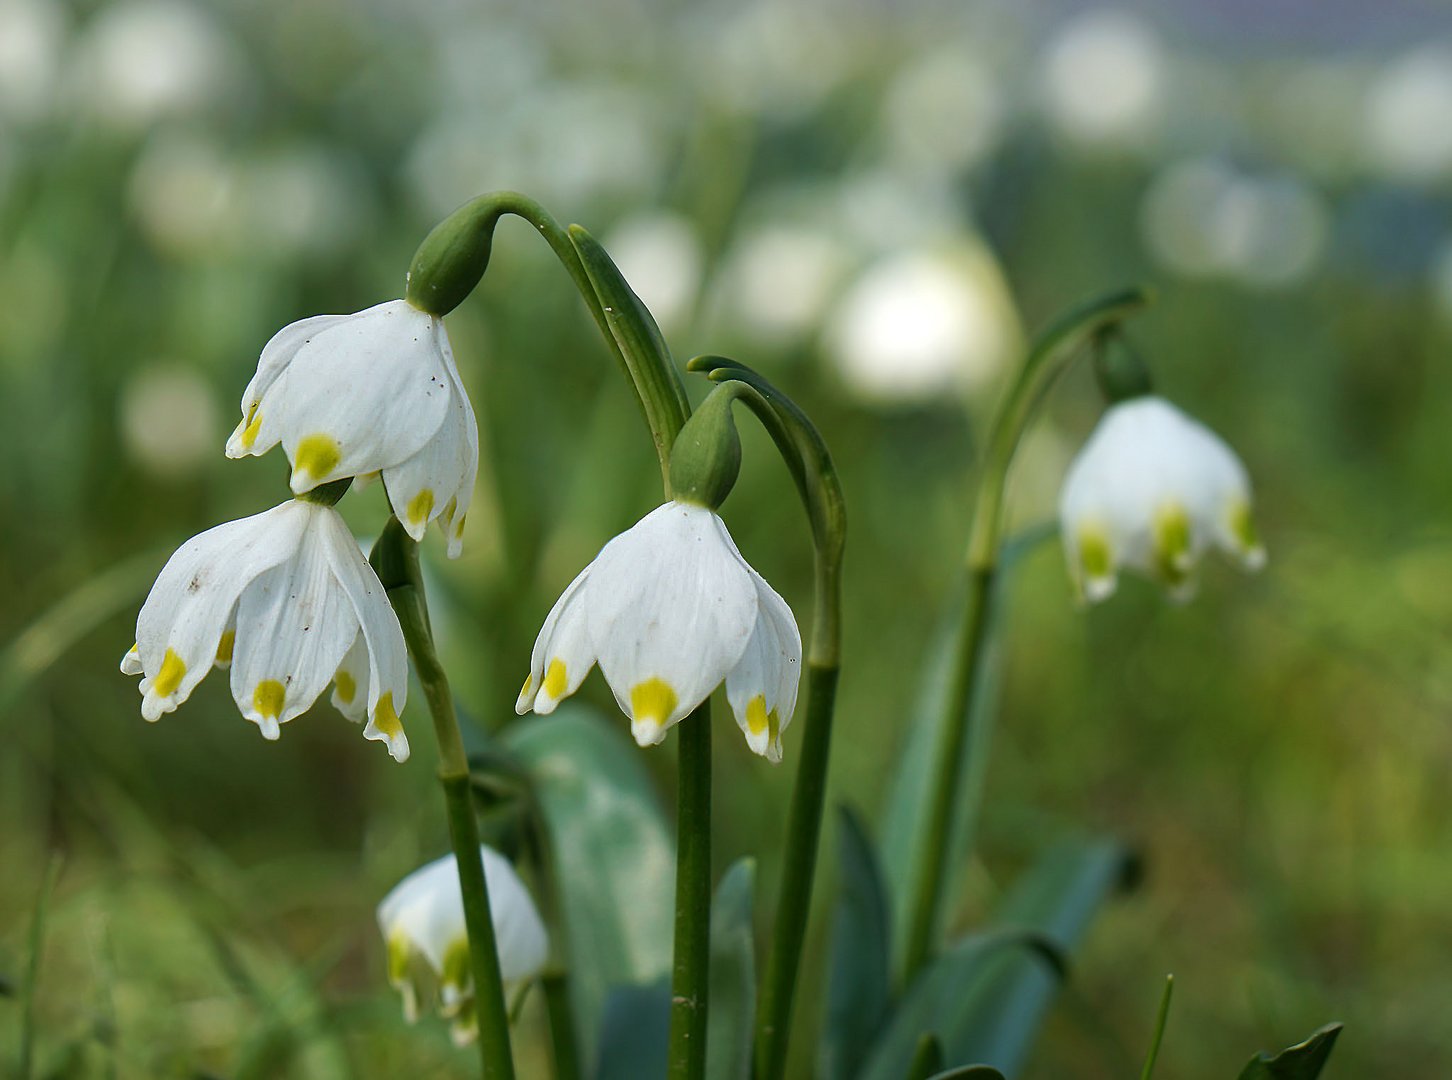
point(1049, 358)
point(395, 557)
point(691, 958)
point(562, 1026)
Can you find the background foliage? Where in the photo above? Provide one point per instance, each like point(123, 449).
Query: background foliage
point(821, 189)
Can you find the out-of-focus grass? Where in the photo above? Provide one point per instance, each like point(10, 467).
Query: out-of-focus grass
point(1276, 748)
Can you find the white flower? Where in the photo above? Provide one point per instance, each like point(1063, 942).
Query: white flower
point(669, 609)
point(286, 599)
point(375, 391)
point(1152, 489)
point(422, 920)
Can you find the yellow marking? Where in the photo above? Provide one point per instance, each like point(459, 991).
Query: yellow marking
point(652, 700)
point(459, 525)
point(1095, 555)
point(773, 727)
point(456, 964)
point(756, 719)
point(1242, 526)
point(528, 685)
point(317, 455)
point(250, 427)
point(173, 670)
point(1172, 543)
point(268, 698)
point(224, 647)
point(450, 509)
point(556, 682)
point(419, 507)
point(399, 954)
point(346, 685)
point(385, 718)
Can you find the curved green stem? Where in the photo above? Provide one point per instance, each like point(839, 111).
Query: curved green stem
point(1051, 355)
point(395, 558)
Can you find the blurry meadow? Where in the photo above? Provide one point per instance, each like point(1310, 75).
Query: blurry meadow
point(873, 204)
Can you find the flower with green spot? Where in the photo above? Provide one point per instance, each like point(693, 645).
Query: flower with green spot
point(1152, 489)
point(669, 609)
point(422, 920)
point(376, 391)
point(286, 600)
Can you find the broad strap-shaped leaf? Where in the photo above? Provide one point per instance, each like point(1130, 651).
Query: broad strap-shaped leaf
point(927, 1061)
point(733, 976)
point(985, 996)
point(613, 857)
point(860, 973)
point(1304, 1061)
point(970, 1072)
point(634, 1028)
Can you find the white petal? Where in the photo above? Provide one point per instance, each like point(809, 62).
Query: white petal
point(277, 354)
point(762, 688)
point(182, 621)
point(382, 636)
point(364, 394)
point(562, 654)
point(350, 681)
point(293, 626)
point(670, 610)
point(438, 481)
point(131, 662)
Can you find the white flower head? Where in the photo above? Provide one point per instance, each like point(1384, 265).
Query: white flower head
point(375, 391)
point(287, 601)
point(1152, 489)
point(669, 608)
point(422, 920)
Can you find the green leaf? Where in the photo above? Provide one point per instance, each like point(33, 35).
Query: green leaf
point(1304, 1061)
point(986, 995)
point(613, 858)
point(970, 1072)
point(733, 976)
point(634, 1030)
point(928, 1059)
point(859, 986)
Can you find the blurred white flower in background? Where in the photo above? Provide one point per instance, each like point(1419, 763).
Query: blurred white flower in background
point(944, 111)
point(141, 61)
point(920, 324)
point(661, 257)
point(774, 56)
point(168, 419)
point(889, 209)
point(1408, 119)
point(778, 278)
point(301, 200)
point(1202, 217)
point(184, 194)
point(1104, 78)
point(32, 33)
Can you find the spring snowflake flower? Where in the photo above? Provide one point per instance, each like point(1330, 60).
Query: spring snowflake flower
point(287, 601)
point(422, 920)
point(376, 391)
point(1152, 489)
point(669, 609)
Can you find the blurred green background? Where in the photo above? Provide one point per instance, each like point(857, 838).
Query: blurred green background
point(872, 203)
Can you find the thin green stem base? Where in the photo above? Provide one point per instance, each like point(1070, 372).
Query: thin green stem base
point(690, 970)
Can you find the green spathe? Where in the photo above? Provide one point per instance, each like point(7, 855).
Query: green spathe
point(1119, 369)
point(706, 457)
point(453, 257)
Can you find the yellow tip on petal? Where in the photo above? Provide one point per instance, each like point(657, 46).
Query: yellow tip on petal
point(268, 698)
point(224, 646)
point(455, 975)
point(1095, 556)
point(345, 685)
point(385, 717)
point(250, 427)
point(1172, 543)
point(173, 670)
point(653, 699)
point(556, 682)
point(756, 719)
point(317, 455)
point(420, 506)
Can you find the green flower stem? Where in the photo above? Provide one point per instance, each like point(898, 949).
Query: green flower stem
point(562, 1026)
point(1049, 358)
point(690, 964)
point(395, 557)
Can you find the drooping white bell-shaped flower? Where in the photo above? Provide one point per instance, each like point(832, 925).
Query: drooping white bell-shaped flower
point(422, 920)
point(1152, 489)
point(287, 601)
point(669, 609)
point(376, 391)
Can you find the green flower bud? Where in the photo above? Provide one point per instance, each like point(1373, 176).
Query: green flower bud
point(1121, 372)
point(706, 457)
point(453, 257)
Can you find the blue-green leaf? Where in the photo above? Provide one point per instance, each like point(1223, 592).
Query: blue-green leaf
point(859, 985)
point(1304, 1061)
point(733, 976)
point(970, 1072)
point(928, 1059)
point(613, 859)
point(634, 1029)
